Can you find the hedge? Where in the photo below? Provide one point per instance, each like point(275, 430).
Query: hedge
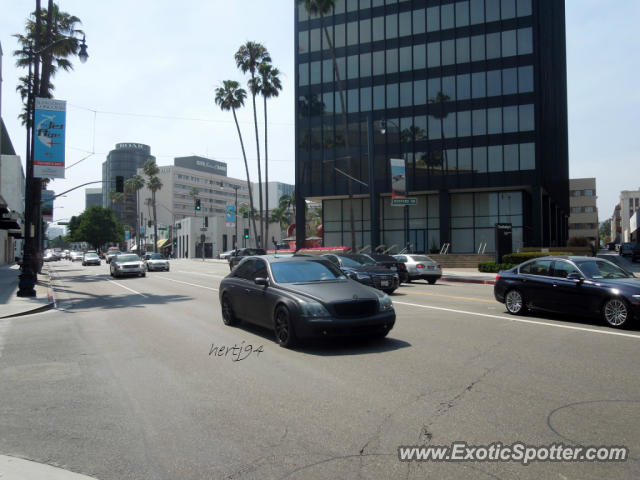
point(493, 267)
point(518, 258)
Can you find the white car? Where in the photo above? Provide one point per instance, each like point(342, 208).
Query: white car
point(421, 266)
point(76, 256)
point(127, 264)
point(156, 261)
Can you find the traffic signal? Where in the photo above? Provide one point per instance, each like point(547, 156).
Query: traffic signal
point(198, 204)
point(246, 233)
point(120, 184)
point(175, 243)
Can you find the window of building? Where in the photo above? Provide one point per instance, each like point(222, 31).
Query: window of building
point(494, 83)
point(527, 156)
point(463, 91)
point(462, 14)
point(476, 11)
point(406, 89)
point(433, 19)
point(418, 21)
point(525, 41)
point(479, 122)
point(509, 81)
point(478, 85)
point(464, 124)
point(509, 43)
point(511, 158)
point(433, 54)
point(462, 50)
point(419, 56)
point(510, 119)
point(526, 118)
point(406, 55)
point(492, 13)
point(523, 7)
point(392, 26)
point(525, 79)
point(365, 30)
point(495, 158)
point(508, 9)
point(377, 28)
point(420, 92)
point(494, 120)
point(404, 23)
point(378, 62)
point(493, 45)
point(588, 193)
point(352, 33)
point(477, 48)
point(446, 16)
point(588, 209)
point(392, 95)
point(480, 159)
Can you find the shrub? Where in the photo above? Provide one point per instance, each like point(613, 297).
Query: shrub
point(493, 267)
point(518, 258)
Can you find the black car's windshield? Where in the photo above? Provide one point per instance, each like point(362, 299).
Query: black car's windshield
point(348, 262)
point(128, 258)
point(305, 271)
point(362, 259)
point(157, 256)
point(598, 269)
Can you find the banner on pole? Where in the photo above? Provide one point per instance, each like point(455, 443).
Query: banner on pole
point(49, 132)
point(398, 178)
point(230, 215)
point(47, 205)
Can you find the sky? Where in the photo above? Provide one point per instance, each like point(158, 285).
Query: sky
point(154, 65)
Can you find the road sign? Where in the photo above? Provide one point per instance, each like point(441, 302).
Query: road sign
point(400, 202)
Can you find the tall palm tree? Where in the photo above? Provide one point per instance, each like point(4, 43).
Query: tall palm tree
point(248, 58)
point(440, 114)
point(154, 184)
point(322, 8)
point(134, 185)
point(231, 97)
point(116, 197)
point(269, 85)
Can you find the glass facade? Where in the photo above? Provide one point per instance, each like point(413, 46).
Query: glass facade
point(454, 81)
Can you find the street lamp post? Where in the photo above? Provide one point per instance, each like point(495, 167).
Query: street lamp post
point(31, 244)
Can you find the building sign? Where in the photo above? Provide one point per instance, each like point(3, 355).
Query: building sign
point(47, 205)
point(230, 215)
point(398, 178)
point(202, 164)
point(50, 125)
point(133, 146)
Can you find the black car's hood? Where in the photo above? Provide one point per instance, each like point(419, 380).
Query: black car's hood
point(328, 292)
point(619, 282)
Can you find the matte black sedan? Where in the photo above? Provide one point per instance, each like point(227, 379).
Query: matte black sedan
point(237, 255)
point(302, 297)
point(578, 285)
point(366, 271)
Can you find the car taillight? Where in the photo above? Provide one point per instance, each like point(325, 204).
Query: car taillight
point(420, 265)
point(402, 266)
point(497, 277)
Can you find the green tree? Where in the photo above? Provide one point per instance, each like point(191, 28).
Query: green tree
point(269, 85)
point(153, 184)
point(231, 97)
point(248, 58)
point(116, 197)
point(133, 185)
point(98, 226)
point(72, 228)
point(605, 231)
point(322, 8)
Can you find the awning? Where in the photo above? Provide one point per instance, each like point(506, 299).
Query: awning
point(15, 233)
point(9, 224)
point(163, 243)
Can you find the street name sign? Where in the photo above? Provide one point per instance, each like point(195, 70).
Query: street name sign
point(400, 202)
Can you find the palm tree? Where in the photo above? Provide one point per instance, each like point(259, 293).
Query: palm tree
point(439, 113)
point(116, 197)
point(268, 84)
point(248, 58)
point(134, 185)
point(231, 97)
point(322, 8)
point(154, 184)
point(51, 26)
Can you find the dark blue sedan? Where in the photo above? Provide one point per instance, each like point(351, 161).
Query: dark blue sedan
point(578, 285)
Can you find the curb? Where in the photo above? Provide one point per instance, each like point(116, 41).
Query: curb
point(42, 308)
point(468, 280)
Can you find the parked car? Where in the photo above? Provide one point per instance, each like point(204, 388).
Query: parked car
point(421, 267)
point(390, 262)
point(156, 261)
point(635, 252)
point(91, 258)
point(111, 254)
point(240, 253)
point(301, 297)
point(226, 255)
point(365, 270)
point(49, 256)
point(127, 264)
point(626, 249)
point(578, 285)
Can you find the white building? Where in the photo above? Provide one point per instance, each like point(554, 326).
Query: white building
point(218, 237)
point(12, 185)
point(629, 204)
point(276, 190)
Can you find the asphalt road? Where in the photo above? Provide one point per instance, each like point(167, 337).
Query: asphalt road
point(119, 383)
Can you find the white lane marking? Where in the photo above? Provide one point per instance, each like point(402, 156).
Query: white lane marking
point(522, 320)
point(193, 284)
point(126, 288)
point(199, 273)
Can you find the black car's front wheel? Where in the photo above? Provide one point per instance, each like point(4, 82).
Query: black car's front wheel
point(228, 317)
point(283, 326)
point(514, 301)
point(616, 312)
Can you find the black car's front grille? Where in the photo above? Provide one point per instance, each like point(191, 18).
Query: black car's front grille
point(355, 308)
point(379, 279)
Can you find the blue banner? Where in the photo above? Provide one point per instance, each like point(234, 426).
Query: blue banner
point(46, 208)
point(230, 215)
point(127, 236)
point(49, 132)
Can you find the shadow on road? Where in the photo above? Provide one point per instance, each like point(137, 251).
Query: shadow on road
point(334, 346)
point(576, 320)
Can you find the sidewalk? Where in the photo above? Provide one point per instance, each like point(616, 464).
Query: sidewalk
point(14, 468)
point(11, 305)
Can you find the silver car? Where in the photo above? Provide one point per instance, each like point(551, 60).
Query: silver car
point(421, 267)
point(127, 264)
point(156, 261)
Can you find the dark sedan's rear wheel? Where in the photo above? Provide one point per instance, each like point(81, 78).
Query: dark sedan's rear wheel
point(431, 281)
point(228, 317)
point(514, 302)
point(616, 312)
point(283, 326)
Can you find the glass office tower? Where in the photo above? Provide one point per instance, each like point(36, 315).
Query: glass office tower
point(471, 94)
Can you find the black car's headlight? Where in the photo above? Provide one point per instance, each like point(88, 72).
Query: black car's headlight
point(313, 309)
point(384, 303)
point(362, 276)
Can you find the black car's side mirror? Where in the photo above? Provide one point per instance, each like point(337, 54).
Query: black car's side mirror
point(575, 276)
point(262, 281)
